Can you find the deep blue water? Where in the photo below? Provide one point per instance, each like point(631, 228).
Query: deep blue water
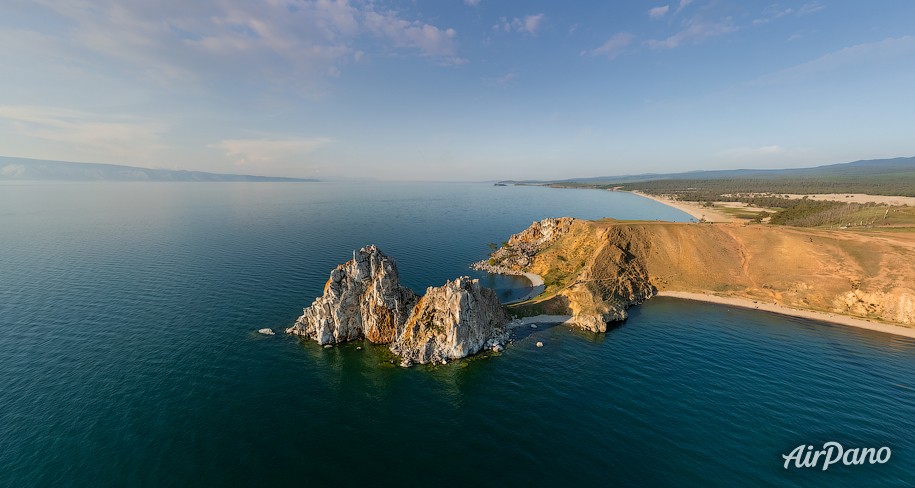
point(128, 355)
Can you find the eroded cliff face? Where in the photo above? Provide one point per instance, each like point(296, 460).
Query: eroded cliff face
point(595, 278)
point(451, 322)
point(611, 281)
point(595, 270)
point(363, 299)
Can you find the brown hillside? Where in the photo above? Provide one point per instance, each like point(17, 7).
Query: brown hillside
point(594, 270)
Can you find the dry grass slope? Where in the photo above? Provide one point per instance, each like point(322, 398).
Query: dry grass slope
point(868, 275)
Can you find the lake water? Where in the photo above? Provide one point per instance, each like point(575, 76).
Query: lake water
point(128, 355)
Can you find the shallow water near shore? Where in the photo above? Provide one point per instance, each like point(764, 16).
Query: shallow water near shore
point(128, 354)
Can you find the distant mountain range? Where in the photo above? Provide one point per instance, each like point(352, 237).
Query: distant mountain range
point(870, 168)
point(41, 170)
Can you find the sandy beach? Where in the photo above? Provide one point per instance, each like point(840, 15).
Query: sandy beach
point(694, 209)
point(755, 305)
point(793, 312)
point(537, 284)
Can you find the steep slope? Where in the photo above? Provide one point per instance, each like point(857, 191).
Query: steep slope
point(362, 299)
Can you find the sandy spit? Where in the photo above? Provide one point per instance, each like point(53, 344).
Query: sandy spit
point(692, 208)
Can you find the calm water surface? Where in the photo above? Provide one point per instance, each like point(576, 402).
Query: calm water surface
point(128, 357)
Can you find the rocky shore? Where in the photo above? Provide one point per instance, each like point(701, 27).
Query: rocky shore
point(518, 253)
point(597, 295)
point(363, 299)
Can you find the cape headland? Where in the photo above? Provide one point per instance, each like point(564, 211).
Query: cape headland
point(591, 272)
point(594, 270)
point(363, 299)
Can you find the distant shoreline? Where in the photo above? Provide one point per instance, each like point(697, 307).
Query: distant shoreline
point(793, 312)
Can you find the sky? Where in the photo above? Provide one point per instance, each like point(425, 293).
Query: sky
point(457, 89)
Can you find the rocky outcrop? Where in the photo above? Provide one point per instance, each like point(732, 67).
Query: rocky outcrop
point(898, 305)
point(608, 279)
point(518, 253)
point(363, 299)
point(452, 321)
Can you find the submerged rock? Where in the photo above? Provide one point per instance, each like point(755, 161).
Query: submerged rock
point(364, 299)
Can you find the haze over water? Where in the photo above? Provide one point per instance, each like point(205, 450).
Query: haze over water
point(128, 354)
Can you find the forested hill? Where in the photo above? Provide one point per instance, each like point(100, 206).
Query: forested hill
point(878, 177)
point(41, 170)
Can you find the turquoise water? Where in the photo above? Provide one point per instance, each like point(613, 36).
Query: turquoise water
point(128, 357)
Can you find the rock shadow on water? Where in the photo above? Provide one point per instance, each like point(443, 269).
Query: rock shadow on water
point(523, 331)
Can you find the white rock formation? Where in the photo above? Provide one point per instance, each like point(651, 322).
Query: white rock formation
point(451, 322)
point(364, 299)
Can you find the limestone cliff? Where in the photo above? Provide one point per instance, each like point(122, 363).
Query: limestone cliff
point(595, 270)
point(363, 299)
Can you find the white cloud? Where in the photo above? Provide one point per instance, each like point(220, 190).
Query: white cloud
point(890, 48)
point(264, 151)
point(683, 5)
point(530, 24)
point(809, 8)
point(614, 46)
point(100, 137)
point(658, 12)
point(472, 3)
point(694, 31)
point(286, 43)
point(427, 38)
point(775, 12)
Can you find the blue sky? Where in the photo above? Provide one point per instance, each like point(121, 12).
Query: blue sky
point(457, 89)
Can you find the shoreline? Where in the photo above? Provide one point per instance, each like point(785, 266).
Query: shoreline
point(793, 312)
point(537, 288)
point(694, 210)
